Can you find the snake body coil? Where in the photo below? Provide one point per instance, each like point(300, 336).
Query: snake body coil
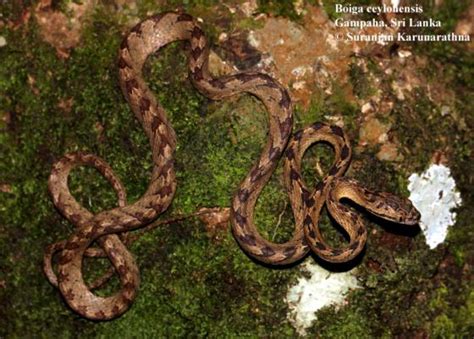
point(144, 39)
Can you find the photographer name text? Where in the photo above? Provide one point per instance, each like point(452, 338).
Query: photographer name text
point(391, 22)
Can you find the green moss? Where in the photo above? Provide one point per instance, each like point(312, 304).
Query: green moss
point(40, 133)
point(452, 323)
point(448, 12)
point(443, 327)
point(348, 324)
point(360, 83)
point(279, 8)
point(248, 24)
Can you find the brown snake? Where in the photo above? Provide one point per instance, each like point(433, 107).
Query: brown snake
point(108, 228)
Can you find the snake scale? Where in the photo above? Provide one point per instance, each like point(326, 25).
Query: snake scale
point(108, 229)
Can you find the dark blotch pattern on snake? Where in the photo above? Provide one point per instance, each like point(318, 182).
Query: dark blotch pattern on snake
point(108, 228)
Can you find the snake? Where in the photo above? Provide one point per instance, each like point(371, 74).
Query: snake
point(108, 229)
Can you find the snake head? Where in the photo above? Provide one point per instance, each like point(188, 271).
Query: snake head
point(394, 208)
point(410, 215)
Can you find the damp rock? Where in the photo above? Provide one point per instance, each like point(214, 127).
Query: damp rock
point(297, 57)
point(389, 152)
point(60, 30)
point(466, 24)
point(373, 132)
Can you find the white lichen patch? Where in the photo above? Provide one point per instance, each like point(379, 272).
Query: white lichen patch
point(3, 41)
point(434, 194)
point(322, 288)
point(395, 3)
